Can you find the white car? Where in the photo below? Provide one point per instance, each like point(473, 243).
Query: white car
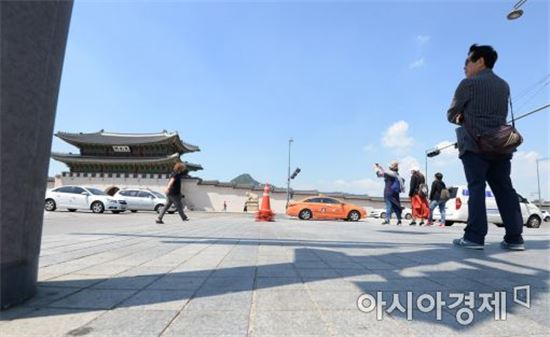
point(139, 199)
point(456, 209)
point(380, 213)
point(545, 215)
point(82, 197)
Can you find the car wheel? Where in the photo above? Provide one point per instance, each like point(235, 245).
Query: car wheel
point(449, 223)
point(49, 205)
point(158, 208)
point(383, 215)
point(72, 209)
point(115, 212)
point(354, 216)
point(305, 214)
point(133, 210)
point(408, 216)
point(97, 207)
point(533, 221)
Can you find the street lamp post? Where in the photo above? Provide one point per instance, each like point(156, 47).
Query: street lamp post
point(538, 179)
point(288, 173)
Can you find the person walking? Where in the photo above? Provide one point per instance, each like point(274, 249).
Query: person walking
point(393, 185)
point(438, 199)
point(224, 206)
point(173, 193)
point(480, 105)
point(417, 193)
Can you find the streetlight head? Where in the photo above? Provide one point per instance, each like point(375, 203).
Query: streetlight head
point(515, 14)
point(433, 153)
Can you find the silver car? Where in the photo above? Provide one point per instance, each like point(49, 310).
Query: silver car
point(143, 200)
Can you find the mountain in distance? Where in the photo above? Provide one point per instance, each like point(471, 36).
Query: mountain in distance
point(245, 179)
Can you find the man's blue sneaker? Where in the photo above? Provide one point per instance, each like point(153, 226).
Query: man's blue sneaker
point(512, 246)
point(463, 243)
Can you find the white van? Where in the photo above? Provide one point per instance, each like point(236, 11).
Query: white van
point(456, 209)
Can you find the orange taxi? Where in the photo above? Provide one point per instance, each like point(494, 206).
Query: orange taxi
point(325, 208)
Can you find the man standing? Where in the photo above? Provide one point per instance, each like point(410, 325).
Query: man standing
point(173, 193)
point(480, 104)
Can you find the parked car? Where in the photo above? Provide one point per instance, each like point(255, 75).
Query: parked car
point(380, 213)
point(325, 208)
point(456, 209)
point(139, 199)
point(545, 215)
point(376, 212)
point(74, 197)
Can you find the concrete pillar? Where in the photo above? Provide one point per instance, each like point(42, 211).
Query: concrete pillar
point(33, 35)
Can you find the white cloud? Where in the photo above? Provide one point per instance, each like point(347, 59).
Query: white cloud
point(396, 137)
point(417, 64)
point(422, 39)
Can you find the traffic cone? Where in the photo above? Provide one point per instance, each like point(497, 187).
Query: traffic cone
point(265, 213)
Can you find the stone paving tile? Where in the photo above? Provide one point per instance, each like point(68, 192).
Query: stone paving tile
point(358, 324)
point(280, 283)
point(214, 286)
point(296, 323)
point(47, 295)
point(106, 269)
point(127, 323)
point(291, 278)
point(175, 282)
point(15, 312)
point(336, 284)
point(208, 323)
point(278, 300)
point(222, 302)
point(93, 299)
point(48, 322)
point(126, 282)
point(158, 300)
point(335, 300)
point(231, 272)
point(311, 265)
point(146, 271)
point(318, 273)
point(75, 281)
point(277, 270)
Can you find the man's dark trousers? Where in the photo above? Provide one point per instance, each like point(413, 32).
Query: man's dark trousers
point(479, 169)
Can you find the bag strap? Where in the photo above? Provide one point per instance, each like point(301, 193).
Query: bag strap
point(511, 111)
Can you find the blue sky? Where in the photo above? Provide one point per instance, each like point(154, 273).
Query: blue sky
point(353, 83)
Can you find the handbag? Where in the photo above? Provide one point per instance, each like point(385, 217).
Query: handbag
point(501, 140)
point(444, 195)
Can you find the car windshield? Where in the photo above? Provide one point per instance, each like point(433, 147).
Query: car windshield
point(158, 195)
point(95, 191)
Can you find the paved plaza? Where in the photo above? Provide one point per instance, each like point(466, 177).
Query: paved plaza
point(226, 275)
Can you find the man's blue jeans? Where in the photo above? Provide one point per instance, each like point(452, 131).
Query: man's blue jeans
point(441, 205)
point(480, 169)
